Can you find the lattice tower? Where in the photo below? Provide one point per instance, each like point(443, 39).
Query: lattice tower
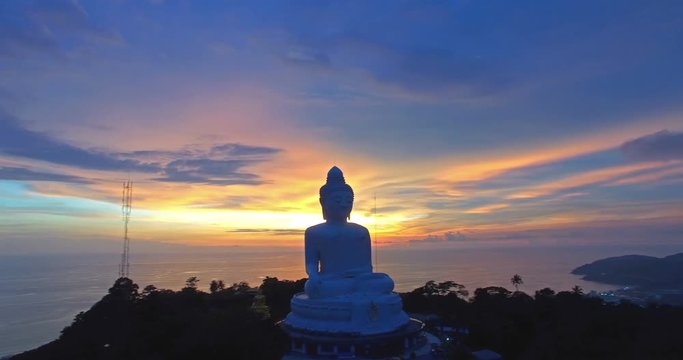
point(126, 206)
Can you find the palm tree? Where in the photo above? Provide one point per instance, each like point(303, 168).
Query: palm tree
point(516, 280)
point(578, 290)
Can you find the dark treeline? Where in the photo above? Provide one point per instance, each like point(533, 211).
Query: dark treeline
point(164, 324)
point(238, 322)
point(549, 325)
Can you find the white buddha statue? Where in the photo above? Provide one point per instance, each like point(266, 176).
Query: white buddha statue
point(338, 256)
point(342, 293)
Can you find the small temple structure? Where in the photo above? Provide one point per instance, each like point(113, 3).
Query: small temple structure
point(346, 310)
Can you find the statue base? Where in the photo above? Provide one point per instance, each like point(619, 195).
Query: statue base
point(308, 344)
point(357, 324)
point(353, 314)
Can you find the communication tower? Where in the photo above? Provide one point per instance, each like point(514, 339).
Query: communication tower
point(126, 202)
point(374, 211)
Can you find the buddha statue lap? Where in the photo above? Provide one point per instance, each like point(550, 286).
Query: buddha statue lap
point(342, 293)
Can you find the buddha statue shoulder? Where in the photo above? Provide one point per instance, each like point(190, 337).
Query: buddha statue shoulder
point(337, 252)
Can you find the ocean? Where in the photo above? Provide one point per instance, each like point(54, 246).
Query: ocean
point(41, 294)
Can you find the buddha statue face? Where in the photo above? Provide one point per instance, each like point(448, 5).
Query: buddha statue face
point(336, 197)
point(337, 205)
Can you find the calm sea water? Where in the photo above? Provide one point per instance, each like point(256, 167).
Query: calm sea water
point(39, 295)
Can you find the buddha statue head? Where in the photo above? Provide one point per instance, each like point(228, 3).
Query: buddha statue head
point(336, 197)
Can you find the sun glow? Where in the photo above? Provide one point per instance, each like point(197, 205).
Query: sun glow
point(246, 221)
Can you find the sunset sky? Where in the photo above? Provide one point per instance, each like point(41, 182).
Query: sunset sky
point(472, 123)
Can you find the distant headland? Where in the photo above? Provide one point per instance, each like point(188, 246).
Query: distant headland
point(644, 272)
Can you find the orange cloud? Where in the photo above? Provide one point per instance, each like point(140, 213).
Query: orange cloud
point(487, 209)
point(647, 178)
point(586, 178)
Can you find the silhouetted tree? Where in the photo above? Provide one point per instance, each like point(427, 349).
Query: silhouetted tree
point(545, 292)
point(279, 295)
point(428, 289)
point(191, 283)
point(432, 288)
point(451, 288)
point(516, 280)
point(149, 289)
point(124, 288)
point(216, 285)
point(491, 292)
point(241, 286)
point(578, 290)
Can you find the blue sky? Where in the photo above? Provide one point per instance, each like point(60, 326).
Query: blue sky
point(492, 119)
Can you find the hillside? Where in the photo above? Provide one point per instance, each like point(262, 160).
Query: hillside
point(645, 272)
point(239, 322)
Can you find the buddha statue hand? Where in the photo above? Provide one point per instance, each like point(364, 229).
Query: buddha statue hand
point(365, 269)
point(313, 284)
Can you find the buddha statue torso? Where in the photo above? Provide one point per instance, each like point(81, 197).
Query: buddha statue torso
point(342, 249)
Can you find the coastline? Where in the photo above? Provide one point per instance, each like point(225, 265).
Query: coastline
point(58, 287)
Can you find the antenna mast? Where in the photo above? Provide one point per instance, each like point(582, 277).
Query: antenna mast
point(126, 202)
point(374, 210)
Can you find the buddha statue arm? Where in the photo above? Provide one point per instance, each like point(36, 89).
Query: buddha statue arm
point(366, 251)
point(311, 257)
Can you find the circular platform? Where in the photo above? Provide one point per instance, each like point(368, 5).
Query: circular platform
point(315, 344)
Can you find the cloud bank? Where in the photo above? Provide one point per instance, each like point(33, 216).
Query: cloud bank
point(660, 146)
point(220, 164)
point(21, 174)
